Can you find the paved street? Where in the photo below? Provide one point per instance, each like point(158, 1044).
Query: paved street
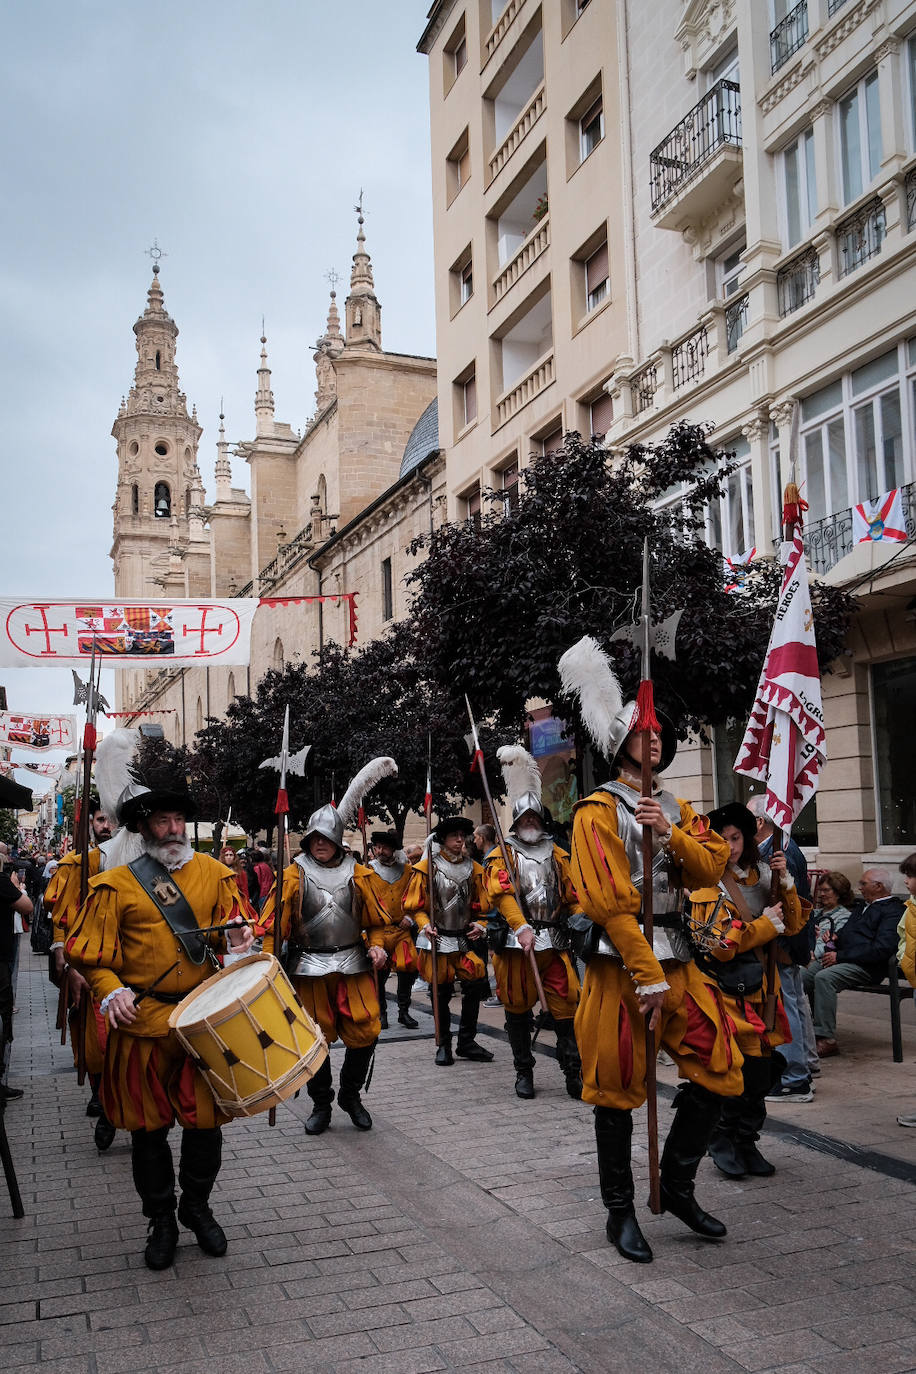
point(465, 1232)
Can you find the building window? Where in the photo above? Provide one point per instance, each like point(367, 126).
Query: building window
point(510, 488)
point(279, 659)
point(893, 706)
point(729, 517)
point(158, 361)
point(199, 714)
point(472, 509)
point(591, 129)
point(799, 187)
point(859, 115)
point(162, 501)
point(601, 415)
point(135, 500)
point(466, 289)
point(455, 55)
point(552, 441)
point(466, 399)
point(230, 688)
point(854, 443)
point(597, 280)
point(387, 590)
point(458, 166)
point(911, 65)
point(728, 272)
point(461, 280)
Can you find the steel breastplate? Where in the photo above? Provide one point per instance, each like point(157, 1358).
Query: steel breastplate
point(330, 934)
point(668, 941)
point(536, 875)
point(757, 895)
point(453, 895)
point(389, 873)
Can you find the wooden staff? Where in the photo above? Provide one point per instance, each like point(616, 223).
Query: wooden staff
point(431, 900)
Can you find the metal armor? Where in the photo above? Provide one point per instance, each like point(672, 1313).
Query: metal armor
point(389, 873)
point(454, 891)
point(330, 935)
point(668, 941)
point(757, 896)
point(539, 885)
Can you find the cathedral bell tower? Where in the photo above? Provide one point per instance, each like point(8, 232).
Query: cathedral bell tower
point(159, 531)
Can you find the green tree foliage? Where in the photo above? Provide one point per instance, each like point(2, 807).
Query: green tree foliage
point(8, 827)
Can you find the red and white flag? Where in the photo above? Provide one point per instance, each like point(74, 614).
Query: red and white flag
point(784, 744)
point(881, 519)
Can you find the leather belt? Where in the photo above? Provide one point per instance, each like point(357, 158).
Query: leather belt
point(172, 998)
point(455, 934)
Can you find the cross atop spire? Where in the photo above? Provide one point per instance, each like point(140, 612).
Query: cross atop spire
point(155, 253)
point(264, 397)
point(364, 326)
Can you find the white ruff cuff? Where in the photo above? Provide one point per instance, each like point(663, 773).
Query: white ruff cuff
point(103, 1005)
point(652, 989)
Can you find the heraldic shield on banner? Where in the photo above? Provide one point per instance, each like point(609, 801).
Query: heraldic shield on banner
point(132, 633)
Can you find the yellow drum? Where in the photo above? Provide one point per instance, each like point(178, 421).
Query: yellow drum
point(249, 1035)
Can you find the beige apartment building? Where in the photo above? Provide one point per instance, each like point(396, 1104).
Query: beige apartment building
point(703, 210)
point(332, 509)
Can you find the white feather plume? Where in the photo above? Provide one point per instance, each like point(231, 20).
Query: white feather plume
point(125, 846)
point(113, 758)
point(586, 673)
point(520, 771)
point(367, 778)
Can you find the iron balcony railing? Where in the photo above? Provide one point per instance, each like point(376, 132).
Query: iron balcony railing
point(688, 358)
point(735, 321)
point(643, 387)
point(797, 282)
point(859, 237)
point(788, 36)
point(830, 539)
point(713, 123)
point(910, 188)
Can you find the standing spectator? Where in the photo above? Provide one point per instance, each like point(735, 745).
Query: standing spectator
point(265, 876)
point(792, 954)
point(13, 901)
point(228, 856)
point(863, 948)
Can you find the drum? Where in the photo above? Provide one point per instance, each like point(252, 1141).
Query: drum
point(249, 1035)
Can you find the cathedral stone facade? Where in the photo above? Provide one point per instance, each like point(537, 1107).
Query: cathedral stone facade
point(331, 510)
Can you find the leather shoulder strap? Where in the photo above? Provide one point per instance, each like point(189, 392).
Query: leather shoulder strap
point(733, 888)
point(173, 906)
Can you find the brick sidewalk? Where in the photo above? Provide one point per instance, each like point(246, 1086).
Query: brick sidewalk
point(464, 1232)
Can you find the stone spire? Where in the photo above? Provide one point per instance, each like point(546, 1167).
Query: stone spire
point(328, 348)
point(156, 385)
point(364, 314)
point(264, 397)
point(223, 469)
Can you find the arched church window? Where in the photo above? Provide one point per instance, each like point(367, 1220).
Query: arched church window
point(158, 361)
point(187, 500)
point(200, 714)
point(135, 500)
point(278, 655)
point(162, 501)
point(161, 447)
point(230, 689)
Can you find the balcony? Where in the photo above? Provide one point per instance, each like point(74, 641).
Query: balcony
point(788, 36)
point(830, 539)
point(859, 236)
point(909, 187)
point(797, 282)
point(735, 321)
point(522, 126)
point(833, 6)
point(500, 29)
point(525, 389)
point(643, 387)
point(688, 358)
point(534, 245)
point(695, 168)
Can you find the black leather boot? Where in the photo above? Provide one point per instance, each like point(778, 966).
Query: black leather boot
point(381, 979)
point(94, 1106)
point(568, 1057)
point(444, 1056)
point(104, 1133)
point(154, 1180)
point(201, 1156)
point(321, 1092)
point(758, 1079)
point(353, 1073)
point(695, 1116)
point(613, 1137)
point(472, 994)
point(519, 1033)
point(405, 987)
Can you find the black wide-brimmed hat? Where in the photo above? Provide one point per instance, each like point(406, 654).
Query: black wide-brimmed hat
point(387, 837)
point(448, 825)
point(736, 814)
point(142, 805)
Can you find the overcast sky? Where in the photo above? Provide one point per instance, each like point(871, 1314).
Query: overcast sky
point(239, 135)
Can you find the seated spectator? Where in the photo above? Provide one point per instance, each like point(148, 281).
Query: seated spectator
point(833, 906)
point(863, 948)
point(906, 950)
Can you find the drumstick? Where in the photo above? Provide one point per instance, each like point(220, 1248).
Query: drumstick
point(226, 925)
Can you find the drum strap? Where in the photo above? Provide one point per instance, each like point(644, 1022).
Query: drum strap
point(171, 903)
point(172, 998)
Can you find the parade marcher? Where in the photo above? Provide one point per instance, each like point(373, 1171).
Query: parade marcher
point(626, 978)
point(749, 919)
point(332, 941)
point(136, 940)
point(541, 881)
point(13, 900)
point(389, 878)
point(459, 899)
point(62, 900)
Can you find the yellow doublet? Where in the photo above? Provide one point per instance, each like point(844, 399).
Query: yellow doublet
point(467, 967)
point(365, 905)
point(515, 985)
point(62, 895)
point(120, 938)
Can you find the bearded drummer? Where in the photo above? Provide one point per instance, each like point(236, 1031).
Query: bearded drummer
point(137, 940)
